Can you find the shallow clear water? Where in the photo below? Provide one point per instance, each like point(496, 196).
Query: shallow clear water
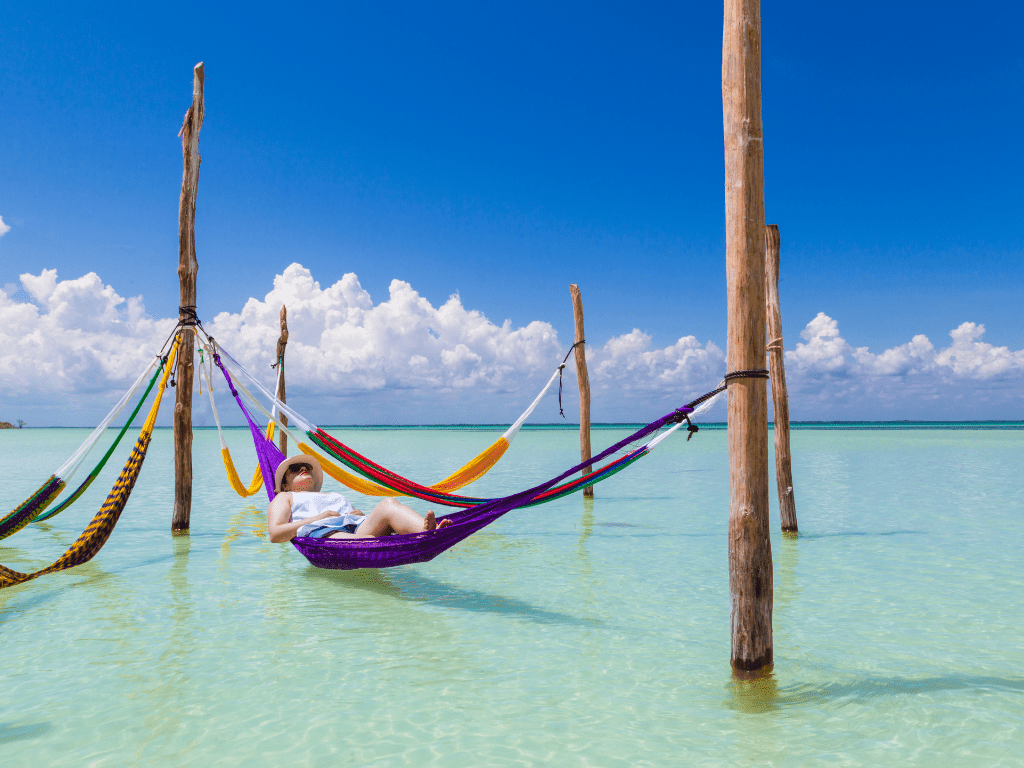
point(572, 633)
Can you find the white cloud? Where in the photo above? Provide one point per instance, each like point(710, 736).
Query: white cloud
point(70, 350)
point(77, 338)
point(968, 379)
point(4, 228)
point(340, 343)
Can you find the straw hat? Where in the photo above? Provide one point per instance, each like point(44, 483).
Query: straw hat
point(302, 458)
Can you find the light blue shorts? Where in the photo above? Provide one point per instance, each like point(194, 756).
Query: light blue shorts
point(322, 529)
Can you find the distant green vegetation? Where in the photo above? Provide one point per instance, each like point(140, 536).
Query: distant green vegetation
point(8, 425)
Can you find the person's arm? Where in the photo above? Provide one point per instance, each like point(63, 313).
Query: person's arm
point(279, 519)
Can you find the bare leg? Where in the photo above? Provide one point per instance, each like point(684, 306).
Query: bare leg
point(392, 516)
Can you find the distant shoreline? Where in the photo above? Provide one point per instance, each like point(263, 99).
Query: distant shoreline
point(715, 425)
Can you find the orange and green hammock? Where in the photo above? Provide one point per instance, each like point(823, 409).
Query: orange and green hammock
point(472, 471)
point(376, 480)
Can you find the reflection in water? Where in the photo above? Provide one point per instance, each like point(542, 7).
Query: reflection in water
point(787, 587)
point(754, 694)
point(246, 520)
point(586, 526)
point(164, 726)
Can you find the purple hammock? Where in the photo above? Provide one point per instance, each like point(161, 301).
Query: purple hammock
point(406, 548)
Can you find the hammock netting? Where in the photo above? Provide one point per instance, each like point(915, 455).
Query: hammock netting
point(35, 507)
point(472, 471)
point(102, 524)
point(404, 549)
point(473, 513)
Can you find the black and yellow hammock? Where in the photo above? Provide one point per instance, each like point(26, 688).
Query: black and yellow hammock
point(102, 525)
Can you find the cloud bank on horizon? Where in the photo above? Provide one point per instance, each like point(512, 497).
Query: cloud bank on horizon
point(68, 348)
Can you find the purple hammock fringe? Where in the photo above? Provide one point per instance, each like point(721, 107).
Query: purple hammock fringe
point(269, 454)
point(403, 549)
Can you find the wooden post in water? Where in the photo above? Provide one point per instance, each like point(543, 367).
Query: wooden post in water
point(188, 267)
point(750, 552)
point(282, 342)
point(777, 368)
point(583, 378)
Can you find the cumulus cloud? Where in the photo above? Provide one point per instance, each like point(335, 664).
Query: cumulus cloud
point(341, 343)
point(68, 348)
point(962, 380)
point(4, 228)
point(76, 337)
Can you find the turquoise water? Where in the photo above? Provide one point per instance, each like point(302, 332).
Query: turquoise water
point(568, 634)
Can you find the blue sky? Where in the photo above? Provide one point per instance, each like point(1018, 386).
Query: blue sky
point(502, 151)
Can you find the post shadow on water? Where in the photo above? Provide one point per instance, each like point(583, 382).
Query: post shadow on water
point(412, 586)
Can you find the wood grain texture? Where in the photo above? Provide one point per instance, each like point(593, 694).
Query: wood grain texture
point(282, 342)
point(188, 267)
point(777, 367)
point(750, 557)
point(583, 378)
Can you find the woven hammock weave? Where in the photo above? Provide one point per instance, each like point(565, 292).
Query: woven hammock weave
point(102, 525)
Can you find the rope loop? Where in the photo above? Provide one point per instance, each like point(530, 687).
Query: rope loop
point(562, 368)
point(187, 317)
point(755, 373)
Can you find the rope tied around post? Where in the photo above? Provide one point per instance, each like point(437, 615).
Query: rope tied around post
point(562, 368)
point(187, 317)
point(775, 344)
point(683, 414)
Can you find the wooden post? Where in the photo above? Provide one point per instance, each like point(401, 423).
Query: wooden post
point(780, 395)
point(750, 552)
point(583, 378)
point(282, 342)
point(187, 269)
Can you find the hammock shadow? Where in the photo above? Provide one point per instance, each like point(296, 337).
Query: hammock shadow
point(764, 695)
point(812, 536)
point(417, 588)
point(870, 688)
point(10, 732)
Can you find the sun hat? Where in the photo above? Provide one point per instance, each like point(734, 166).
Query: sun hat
point(302, 458)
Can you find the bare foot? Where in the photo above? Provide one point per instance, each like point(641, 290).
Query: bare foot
point(444, 523)
point(429, 522)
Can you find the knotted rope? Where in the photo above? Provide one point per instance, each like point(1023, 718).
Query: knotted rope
point(562, 368)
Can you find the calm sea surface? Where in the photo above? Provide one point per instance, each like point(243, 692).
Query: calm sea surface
point(575, 633)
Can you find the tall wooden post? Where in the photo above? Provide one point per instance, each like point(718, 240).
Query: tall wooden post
point(282, 342)
point(187, 269)
point(780, 395)
point(750, 552)
point(583, 378)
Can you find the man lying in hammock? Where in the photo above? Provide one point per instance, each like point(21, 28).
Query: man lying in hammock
point(300, 509)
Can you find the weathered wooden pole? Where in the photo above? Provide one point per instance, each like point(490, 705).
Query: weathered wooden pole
point(780, 395)
point(282, 342)
point(583, 378)
point(187, 269)
point(750, 552)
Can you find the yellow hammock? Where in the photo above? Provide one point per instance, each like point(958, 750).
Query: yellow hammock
point(478, 466)
point(475, 469)
point(102, 525)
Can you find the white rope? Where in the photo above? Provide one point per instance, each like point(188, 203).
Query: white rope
point(510, 433)
point(68, 469)
point(208, 372)
point(292, 415)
